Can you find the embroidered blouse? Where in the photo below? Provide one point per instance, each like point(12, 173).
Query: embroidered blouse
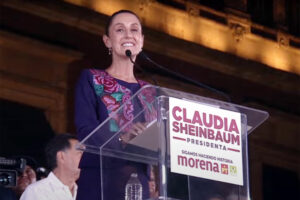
point(99, 95)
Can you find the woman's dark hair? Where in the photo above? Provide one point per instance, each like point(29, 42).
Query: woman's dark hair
point(115, 14)
point(60, 142)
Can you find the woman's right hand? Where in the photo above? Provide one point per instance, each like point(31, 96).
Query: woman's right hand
point(136, 129)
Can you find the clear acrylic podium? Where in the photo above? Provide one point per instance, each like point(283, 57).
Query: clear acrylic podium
point(152, 147)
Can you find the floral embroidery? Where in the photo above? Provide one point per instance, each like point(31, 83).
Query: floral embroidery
point(98, 89)
point(113, 95)
point(147, 97)
point(109, 83)
point(110, 102)
point(118, 96)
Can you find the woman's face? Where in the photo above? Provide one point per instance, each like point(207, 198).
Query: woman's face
point(125, 32)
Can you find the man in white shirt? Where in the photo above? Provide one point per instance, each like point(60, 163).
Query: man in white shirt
point(63, 159)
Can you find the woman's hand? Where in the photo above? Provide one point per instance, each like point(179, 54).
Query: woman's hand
point(136, 129)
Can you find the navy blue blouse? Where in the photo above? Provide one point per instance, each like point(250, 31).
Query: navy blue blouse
point(97, 95)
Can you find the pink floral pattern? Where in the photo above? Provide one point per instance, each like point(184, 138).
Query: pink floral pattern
point(109, 83)
point(113, 95)
point(110, 102)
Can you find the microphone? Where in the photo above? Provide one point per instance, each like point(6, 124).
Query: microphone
point(182, 77)
point(128, 54)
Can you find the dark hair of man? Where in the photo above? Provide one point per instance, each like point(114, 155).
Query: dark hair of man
point(115, 14)
point(60, 142)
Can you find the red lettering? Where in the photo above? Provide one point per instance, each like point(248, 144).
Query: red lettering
point(225, 124)
point(183, 127)
point(208, 165)
point(235, 139)
point(175, 127)
point(216, 168)
point(176, 109)
point(202, 164)
point(197, 118)
point(202, 132)
point(185, 119)
point(219, 136)
point(207, 122)
point(191, 162)
point(210, 134)
point(233, 127)
point(191, 130)
point(182, 160)
point(218, 122)
point(227, 140)
point(194, 163)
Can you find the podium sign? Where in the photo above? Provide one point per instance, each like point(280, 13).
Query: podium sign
point(205, 141)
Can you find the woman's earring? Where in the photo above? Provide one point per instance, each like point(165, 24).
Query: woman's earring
point(109, 51)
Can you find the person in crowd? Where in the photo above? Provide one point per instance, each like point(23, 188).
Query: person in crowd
point(99, 93)
point(27, 177)
point(63, 160)
point(153, 183)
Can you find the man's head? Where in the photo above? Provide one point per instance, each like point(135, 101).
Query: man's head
point(61, 154)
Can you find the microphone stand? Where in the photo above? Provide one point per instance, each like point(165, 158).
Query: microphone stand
point(128, 54)
point(185, 78)
point(176, 75)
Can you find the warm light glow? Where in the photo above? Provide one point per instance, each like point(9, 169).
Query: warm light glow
point(205, 32)
point(269, 53)
point(212, 36)
point(190, 28)
point(275, 57)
